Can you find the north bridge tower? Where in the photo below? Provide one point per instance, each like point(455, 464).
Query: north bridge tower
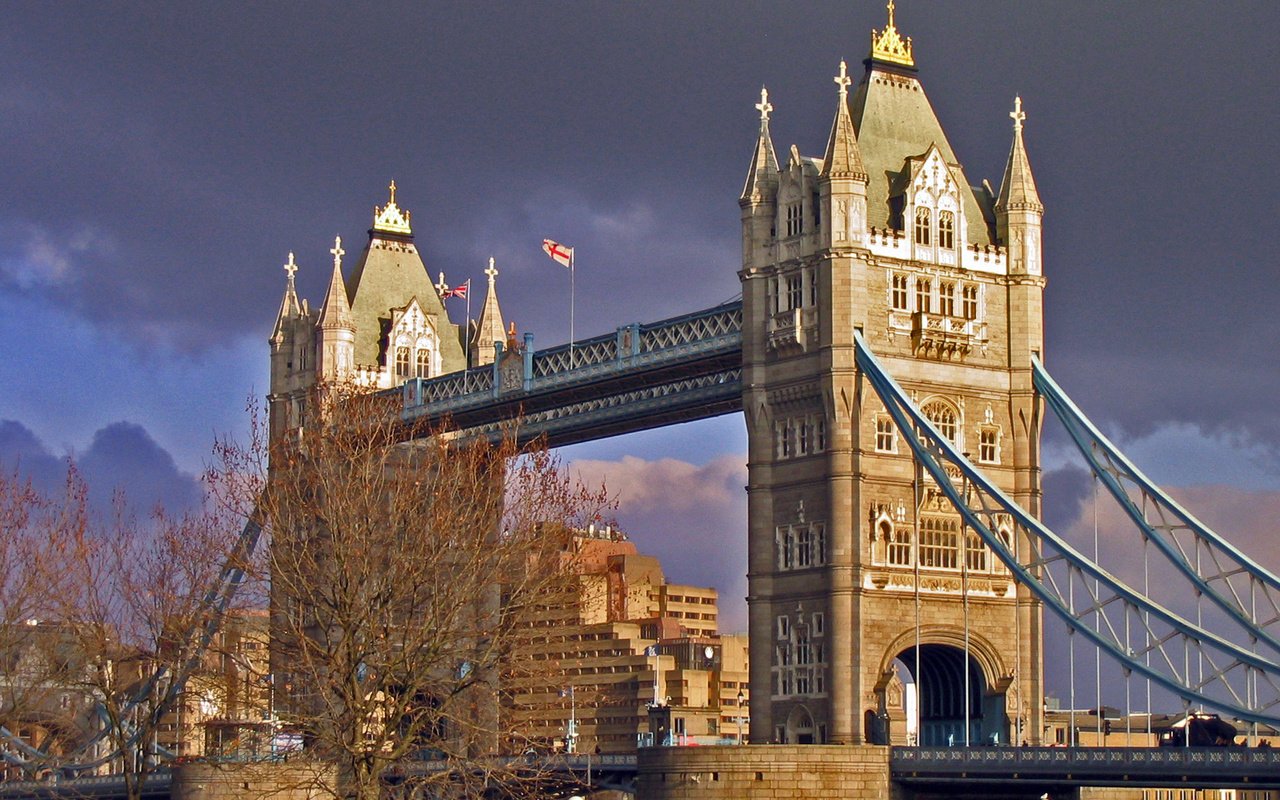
point(863, 584)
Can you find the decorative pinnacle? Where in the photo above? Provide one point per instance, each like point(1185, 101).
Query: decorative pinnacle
point(290, 267)
point(492, 272)
point(842, 80)
point(763, 106)
point(392, 187)
point(890, 46)
point(441, 286)
point(337, 251)
point(1018, 115)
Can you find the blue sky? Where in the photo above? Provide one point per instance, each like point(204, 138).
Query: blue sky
point(161, 162)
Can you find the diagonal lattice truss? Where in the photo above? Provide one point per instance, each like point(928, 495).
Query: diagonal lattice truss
point(157, 695)
point(1246, 593)
point(1143, 637)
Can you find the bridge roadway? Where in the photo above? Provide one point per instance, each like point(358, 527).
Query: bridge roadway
point(639, 377)
point(960, 771)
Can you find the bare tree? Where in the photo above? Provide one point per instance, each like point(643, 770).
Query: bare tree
point(135, 600)
point(405, 566)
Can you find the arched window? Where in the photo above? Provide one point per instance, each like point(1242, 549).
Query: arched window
point(943, 418)
point(424, 364)
point(402, 362)
point(947, 229)
point(924, 295)
point(924, 225)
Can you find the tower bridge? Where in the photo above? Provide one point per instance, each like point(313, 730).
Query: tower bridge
point(887, 358)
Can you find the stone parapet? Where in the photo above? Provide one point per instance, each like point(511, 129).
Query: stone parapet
point(293, 780)
point(776, 772)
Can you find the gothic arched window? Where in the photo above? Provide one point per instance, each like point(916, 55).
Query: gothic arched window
point(947, 229)
point(943, 418)
point(424, 364)
point(924, 225)
point(402, 362)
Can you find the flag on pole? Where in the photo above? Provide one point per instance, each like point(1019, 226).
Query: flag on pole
point(560, 253)
point(457, 291)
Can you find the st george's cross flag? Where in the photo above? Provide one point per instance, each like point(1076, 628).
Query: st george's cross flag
point(561, 254)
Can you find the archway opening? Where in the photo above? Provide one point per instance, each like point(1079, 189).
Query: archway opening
point(939, 696)
point(799, 728)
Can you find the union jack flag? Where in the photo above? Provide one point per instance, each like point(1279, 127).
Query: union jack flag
point(457, 291)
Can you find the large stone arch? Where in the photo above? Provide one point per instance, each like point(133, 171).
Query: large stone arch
point(942, 666)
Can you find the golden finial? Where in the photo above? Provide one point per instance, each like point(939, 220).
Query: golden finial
point(889, 46)
point(1017, 114)
point(391, 219)
point(393, 191)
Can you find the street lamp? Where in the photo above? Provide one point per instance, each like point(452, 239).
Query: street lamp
point(741, 700)
point(572, 735)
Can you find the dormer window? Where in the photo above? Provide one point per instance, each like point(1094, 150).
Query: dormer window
point(424, 364)
point(402, 362)
point(924, 226)
point(795, 219)
point(947, 230)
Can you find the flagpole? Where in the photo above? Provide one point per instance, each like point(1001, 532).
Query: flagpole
point(571, 304)
point(467, 352)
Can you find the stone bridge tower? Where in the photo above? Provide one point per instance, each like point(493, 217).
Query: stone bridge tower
point(857, 568)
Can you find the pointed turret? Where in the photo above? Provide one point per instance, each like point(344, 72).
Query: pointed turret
point(489, 328)
point(843, 158)
point(289, 306)
point(1018, 189)
point(336, 311)
point(1019, 212)
point(762, 178)
point(336, 326)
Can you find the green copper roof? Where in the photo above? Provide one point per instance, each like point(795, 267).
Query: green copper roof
point(894, 121)
point(390, 274)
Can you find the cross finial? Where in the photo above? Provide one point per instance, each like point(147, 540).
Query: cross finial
point(842, 80)
point(492, 271)
point(290, 267)
point(441, 286)
point(763, 106)
point(337, 251)
point(890, 13)
point(1017, 114)
point(393, 192)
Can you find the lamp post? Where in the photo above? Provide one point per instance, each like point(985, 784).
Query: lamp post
point(572, 735)
point(741, 700)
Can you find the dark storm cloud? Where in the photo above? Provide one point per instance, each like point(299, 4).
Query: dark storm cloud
point(122, 459)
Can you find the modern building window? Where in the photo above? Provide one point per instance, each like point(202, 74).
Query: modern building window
point(886, 435)
point(947, 230)
point(402, 362)
point(939, 542)
point(424, 364)
point(970, 304)
point(924, 223)
point(947, 299)
point(924, 295)
point(943, 418)
point(898, 295)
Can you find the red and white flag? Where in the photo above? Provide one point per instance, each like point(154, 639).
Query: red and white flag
point(457, 291)
point(560, 253)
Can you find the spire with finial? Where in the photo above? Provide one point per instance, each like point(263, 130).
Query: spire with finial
point(336, 311)
point(488, 326)
point(1018, 188)
point(843, 158)
point(289, 306)
point(889, 46)
point(764, 162)
point(390, 219)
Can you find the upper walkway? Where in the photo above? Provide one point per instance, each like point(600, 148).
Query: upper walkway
point(639, 377)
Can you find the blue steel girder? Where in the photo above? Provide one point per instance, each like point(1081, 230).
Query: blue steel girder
point(1237, 680)
point(1243, 588)
point(640, 377)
